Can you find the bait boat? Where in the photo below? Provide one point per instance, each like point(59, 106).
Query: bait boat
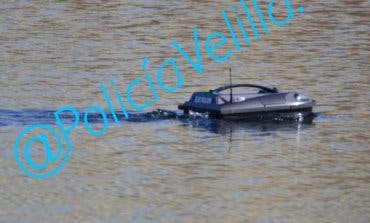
point(256, 103)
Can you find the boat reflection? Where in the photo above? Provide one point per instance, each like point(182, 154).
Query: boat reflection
point(224, 127)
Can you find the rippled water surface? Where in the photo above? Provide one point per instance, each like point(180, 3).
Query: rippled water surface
point(162, 168)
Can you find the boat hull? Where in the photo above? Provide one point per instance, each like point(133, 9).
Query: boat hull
point(291, 114)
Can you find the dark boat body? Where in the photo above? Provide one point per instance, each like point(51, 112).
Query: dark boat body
point(262, 103)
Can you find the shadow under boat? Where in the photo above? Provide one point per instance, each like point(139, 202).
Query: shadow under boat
point(224, 127)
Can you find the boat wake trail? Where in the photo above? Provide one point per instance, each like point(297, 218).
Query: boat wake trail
point(33, 117)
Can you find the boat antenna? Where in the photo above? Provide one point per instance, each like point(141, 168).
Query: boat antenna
point(231, 89)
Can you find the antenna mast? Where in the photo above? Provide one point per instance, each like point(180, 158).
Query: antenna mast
point(231, 89)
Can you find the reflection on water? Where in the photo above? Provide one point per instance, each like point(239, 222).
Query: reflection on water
point(162, 167)
point(225, 127)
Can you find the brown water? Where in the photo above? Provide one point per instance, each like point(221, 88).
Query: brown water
point(54, 54)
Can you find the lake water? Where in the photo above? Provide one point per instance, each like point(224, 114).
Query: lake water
point(166, 169)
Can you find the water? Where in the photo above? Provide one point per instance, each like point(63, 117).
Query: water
point(166, 169)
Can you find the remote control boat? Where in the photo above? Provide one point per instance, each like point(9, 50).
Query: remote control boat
point(252, 102)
